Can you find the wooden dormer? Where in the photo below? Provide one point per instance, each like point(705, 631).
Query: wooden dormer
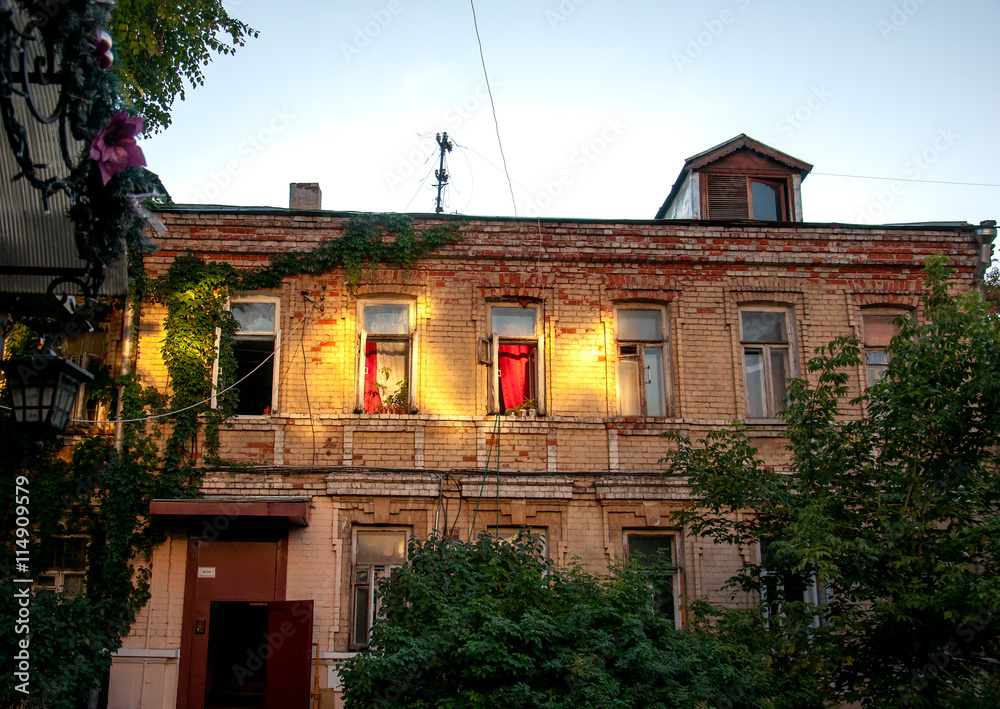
point(740, 179)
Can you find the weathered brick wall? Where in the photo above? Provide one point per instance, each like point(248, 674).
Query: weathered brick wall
point(582, 472)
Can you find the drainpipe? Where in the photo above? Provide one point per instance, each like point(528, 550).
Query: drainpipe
point(124, 369)
point(986, 232)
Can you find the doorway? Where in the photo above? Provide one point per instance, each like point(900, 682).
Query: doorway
point(236, 666)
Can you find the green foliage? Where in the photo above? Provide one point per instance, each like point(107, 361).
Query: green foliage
point(161, 45)
point(495, 624)
point(895, 512)
point(97, 492)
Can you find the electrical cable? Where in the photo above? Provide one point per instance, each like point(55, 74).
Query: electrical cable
point(906, 179)
point(494, 439)
point(195, 405)
point(419, 187)
point(493, 107)
point(499, 169)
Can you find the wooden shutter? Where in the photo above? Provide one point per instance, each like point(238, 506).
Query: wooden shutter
point(411, 386)
point(359, 404)
point(493, 385)
point(728, 197)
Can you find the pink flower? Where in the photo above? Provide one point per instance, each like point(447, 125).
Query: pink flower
point(102, 47)
point(114, 148)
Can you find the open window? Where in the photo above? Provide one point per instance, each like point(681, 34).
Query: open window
point(387, 358)
point(643, 359)
point(515, 354)
point(255, 348)
point(767, 360)
point(378, 554)
point(65, 560)
point(879, 329)
point(88, 351)
point(655, 554)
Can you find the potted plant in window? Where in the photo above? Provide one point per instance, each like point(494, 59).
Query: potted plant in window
point(398, 402)
point(527, 408)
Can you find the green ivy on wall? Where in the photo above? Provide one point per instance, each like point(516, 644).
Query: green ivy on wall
point(199, 325)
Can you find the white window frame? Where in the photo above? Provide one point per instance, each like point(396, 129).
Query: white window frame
point(772, 403)
point(412, 353)
point(369, 584)
point(489, 354)
point(813, 592)
point(675, 572)
point(891, 313)
point(60, 574)
point(275, 359)
point(641, 345)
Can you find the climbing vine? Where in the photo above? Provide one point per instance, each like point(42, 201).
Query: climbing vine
point(104, 493)
point(199, 327)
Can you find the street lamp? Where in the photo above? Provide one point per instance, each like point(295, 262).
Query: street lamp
point(43, 388)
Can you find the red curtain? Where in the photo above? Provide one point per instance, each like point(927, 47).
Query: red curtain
point(373, 400)
point(517, 364)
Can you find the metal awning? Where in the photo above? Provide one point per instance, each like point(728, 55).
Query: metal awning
point(294, 509)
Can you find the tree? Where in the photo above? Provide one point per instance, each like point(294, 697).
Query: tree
point(495, 624)
point(160, 44)
point(893, 510)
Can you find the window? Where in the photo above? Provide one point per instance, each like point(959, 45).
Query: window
point(879, 330)
point(656, 555)
point(766, 361)
point(255, 348)
point(378, 553)
point(511, 534)
point(779, 585)
point(66, 562)
point(741, 197)
point(642, 361)
point(386, 358)
point(87, 351)
point(515, 353)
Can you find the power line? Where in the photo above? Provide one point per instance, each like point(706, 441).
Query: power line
point(493, 107)
point(905, 179)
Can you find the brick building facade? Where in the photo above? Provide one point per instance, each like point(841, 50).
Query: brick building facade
point(548, 353)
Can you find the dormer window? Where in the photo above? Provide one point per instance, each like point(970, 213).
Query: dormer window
point(743, 197)
point(739, 179)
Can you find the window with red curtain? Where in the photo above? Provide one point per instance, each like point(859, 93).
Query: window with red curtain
point(386, 354)
point(515, 330)
point(517, 374)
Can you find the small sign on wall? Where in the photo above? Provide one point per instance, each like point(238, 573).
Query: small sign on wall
point(206, 572)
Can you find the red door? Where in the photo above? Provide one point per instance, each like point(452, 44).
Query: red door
point(289, 632)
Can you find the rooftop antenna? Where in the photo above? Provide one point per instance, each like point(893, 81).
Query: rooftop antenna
point(441, 173)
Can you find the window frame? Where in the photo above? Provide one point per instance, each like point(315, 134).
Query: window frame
point(782, 206)
point(772, 405)
point(641, 345)
point(370, 585)
point(892, 314)
point(60, 573)
point(490, 354)
point(675, 571)
point(257, 335)
point(412, 353)
point(783, 184)
point(773, 592)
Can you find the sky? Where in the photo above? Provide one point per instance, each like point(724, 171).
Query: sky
point(597, 105)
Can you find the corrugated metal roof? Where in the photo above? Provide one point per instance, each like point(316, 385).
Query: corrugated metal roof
point(35, 246)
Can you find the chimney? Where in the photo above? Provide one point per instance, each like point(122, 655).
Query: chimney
point(304, 195)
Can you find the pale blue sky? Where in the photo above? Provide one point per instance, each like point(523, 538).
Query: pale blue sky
point(598, 104)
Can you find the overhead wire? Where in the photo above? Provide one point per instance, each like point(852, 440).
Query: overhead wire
point(906, 179)
point(493, 107)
